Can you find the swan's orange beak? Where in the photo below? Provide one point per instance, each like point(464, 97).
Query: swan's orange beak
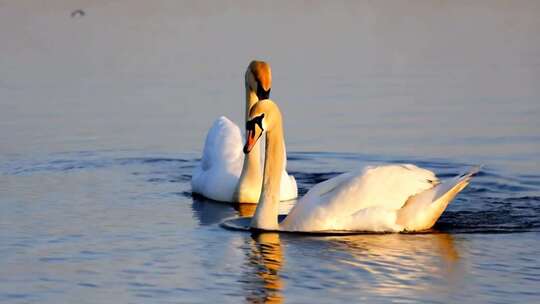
point(252, 136)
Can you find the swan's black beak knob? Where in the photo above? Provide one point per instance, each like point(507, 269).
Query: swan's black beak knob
point(263, 94)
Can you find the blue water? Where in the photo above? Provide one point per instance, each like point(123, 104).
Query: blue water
point(123, 225)
point(103, 118)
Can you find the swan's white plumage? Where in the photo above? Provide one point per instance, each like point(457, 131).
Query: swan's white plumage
point(218, 173)
point(365, 199)
point(388, 198)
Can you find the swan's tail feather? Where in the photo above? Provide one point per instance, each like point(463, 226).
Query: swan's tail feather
point(472, 172)
point(422, 210)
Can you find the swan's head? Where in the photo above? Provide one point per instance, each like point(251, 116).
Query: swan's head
point(263, 117)
point(259, 79)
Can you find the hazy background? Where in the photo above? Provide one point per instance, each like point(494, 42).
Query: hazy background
point(452, 79)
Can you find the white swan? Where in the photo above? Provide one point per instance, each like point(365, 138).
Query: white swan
point(388, 198)
point(224, 174)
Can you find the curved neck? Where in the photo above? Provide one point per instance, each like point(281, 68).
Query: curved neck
point(249, 184)
point(266, 215)
point(251, 100)
point(253, 159)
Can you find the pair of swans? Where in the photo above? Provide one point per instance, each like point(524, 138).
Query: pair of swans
point(224, 173)
point(388, 198)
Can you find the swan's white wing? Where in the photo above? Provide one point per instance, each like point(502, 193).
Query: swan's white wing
point(329, 185)
point(370, 195)
point(216, 176)
point(223, 145)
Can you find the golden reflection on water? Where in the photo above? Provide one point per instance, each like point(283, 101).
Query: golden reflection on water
point(390, 264)
point(398, 262)
point(265, 258)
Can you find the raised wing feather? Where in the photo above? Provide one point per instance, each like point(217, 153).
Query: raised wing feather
point(223, 145)
point(217, 174)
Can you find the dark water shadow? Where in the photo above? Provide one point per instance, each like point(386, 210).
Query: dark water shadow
point(90, 161)
point(210, 212)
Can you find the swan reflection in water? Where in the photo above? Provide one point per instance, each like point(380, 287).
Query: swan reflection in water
point(373, 264)
point(391, 264)
point(401, 263)
point(264, 255)
point(265, 258)
point(210, 212)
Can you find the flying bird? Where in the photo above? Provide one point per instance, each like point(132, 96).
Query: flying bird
point(77, 13)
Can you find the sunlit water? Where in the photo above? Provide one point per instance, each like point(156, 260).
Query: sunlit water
point(103, 117)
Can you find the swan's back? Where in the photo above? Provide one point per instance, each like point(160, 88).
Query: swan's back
point(221, 164)
point(223, 145)
point(389, 186)
point(330, 205)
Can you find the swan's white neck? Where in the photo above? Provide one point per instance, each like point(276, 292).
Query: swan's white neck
point(266, 215)
point(251, 100)
point(249, 185)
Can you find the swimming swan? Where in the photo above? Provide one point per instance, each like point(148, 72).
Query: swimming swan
point(224, 173)
point(388, 198)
